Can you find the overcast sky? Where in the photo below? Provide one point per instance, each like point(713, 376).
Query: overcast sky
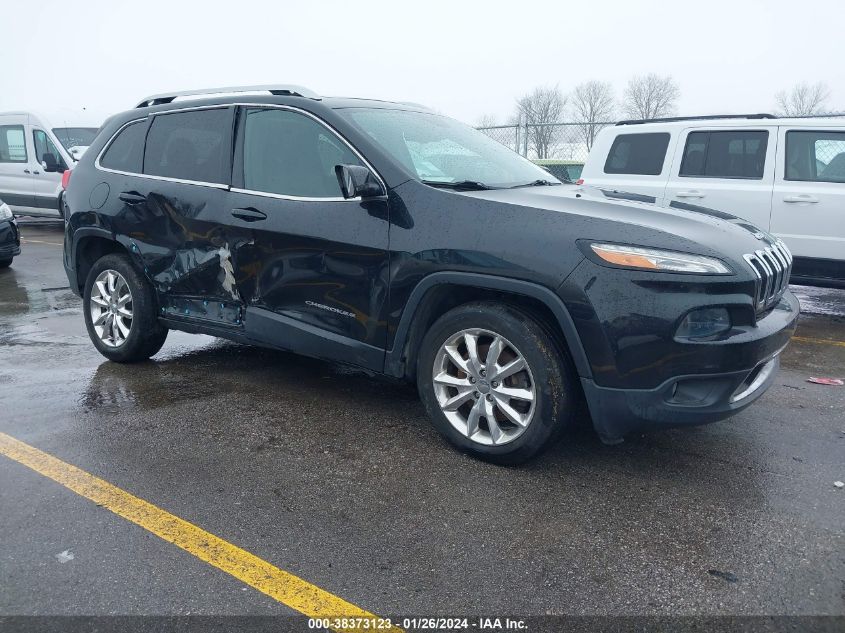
point(465, 59)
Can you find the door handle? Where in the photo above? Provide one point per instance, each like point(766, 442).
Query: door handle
point(132, 197)
point(802, 198)
point(26, 171)
point(249, 214)
point(693, 193)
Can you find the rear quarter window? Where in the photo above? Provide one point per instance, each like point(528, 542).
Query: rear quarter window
point(640, 154)
point(126, 150)
point(815, 156)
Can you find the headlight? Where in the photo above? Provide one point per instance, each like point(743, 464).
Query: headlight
point(704, 323)
point(654, 259)
point(5, 212)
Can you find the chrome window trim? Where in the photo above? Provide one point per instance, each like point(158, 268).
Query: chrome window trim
point(227, 187)
point(280, 196)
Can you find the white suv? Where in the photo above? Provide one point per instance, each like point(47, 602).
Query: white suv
point(786, 176)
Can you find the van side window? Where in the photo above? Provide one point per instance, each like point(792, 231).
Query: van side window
point(815, 156)
point(190, 145)
point(641, 154)
point(12, 144)
point(291, 154)
point(126, 151)
point(43, 145)
point(729, 154)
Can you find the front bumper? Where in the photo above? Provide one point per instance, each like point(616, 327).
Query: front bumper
point(10, 242)
point(693, 399)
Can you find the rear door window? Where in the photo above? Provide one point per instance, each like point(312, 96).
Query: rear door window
point(641, 154)
point(12, 144)
point(192, 145)
point(126, 151)
point(725, 154)
point(815, 156)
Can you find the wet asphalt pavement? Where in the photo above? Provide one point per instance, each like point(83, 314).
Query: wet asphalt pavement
point(337, 477)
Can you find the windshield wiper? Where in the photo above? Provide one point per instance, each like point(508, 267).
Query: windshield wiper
point(538, 183)
point(469, 185)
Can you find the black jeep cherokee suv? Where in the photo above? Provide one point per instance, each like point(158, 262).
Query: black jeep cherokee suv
point(392, 238)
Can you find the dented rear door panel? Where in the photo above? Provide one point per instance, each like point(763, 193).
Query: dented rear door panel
point(198, 258)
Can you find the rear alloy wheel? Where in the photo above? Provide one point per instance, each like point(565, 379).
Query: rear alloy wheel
point(111, 308)
point(495, 383)
point(120, 311)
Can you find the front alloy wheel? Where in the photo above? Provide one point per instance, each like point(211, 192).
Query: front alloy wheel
point(496, 382)
point(111, 308)
point(484, 387)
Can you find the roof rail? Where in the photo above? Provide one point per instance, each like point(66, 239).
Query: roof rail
point(275, 89)
point(707, 117)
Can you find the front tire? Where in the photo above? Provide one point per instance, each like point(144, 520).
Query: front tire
point(495, 383)
point(5, 263)
point(120, 311)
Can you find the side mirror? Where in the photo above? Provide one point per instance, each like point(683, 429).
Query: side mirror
point(50, 163)
point(357, 182)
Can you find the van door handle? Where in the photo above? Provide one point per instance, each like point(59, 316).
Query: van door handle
point(802, 198)
point(693, 193)
point(249, 214)
point(132, 197)
point(26, 171)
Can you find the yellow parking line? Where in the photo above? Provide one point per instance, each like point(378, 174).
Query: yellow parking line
point(27, 241)
point(820, 341)
point(280, 585)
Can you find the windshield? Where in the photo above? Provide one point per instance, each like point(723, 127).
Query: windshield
point(440, 150)
point(75, 136)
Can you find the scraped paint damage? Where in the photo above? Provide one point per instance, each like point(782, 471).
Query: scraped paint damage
point(228, 272)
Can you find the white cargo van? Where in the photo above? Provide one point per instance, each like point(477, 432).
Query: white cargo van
point(786, 176)
point(33, 156)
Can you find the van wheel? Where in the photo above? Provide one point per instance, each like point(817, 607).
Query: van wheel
point(494, 383)
point(5, 263)
point(120, 311)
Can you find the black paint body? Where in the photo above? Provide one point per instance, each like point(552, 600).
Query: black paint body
point(353, 280)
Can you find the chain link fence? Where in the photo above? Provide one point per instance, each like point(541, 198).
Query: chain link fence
point(568, 142)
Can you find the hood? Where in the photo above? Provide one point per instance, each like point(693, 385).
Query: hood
point(607, 215)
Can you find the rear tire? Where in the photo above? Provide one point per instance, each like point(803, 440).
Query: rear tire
point(5, 263)
point(530, 407)
point(120, 311)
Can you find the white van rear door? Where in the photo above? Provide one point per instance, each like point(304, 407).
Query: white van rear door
point(730, 169)
point(808, 204)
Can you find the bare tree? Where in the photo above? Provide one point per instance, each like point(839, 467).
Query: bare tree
point(537, 110)
point(487, 120)
point(650, 96)
point(803, 100)
point(593, 105)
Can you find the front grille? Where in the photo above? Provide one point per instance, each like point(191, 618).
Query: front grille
point(772, 267)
